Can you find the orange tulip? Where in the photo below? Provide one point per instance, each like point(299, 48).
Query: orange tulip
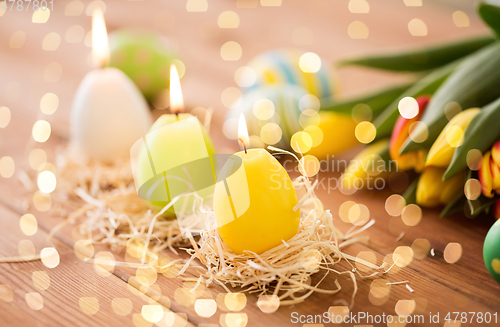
point(400, 133)
point(489, 172)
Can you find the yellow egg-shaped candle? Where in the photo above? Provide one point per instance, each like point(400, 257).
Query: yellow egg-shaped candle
point(254, 206)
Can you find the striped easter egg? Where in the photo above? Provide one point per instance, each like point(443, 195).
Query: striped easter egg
point(274, 113)
point(292, 66)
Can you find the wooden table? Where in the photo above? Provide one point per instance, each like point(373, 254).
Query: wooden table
point(438, 286)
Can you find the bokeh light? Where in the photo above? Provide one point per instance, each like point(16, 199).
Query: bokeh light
point(268, 303)
point(122, 306)
point(413, 3)
point(7, 167)
point(361, 112)
point(316, 134)
point(395, 204)
point(152, 313)
point(411, 215)
point(405, 307)
point(271, 133)
point(49, 257)
point(5, 117)
point(51, 42)
point(231, 96)
point(74, 34)
point(231, 51)
point(245, 76)
point(472, 189)
point(301, 142)
point(34, 301)
point(455, 136)
point(26, 249)
point(235, 301)
point(40, 279)
point(418, 132)
point(408, 107)
point(28, 224)
point(46, 182)
point(49, 103)
point(84, 249)
point(42, 201)
point(452, 252)
point(228, 19)
point(89, 305)
point(451, 109)
point(403, 256)
point(263, 109)
point(417, 27)
point(365, 132)
point(270, 3)
point(310, 62)
point(235, 319)
point(367, 256)
point(460, 19)
point(74, 8)
point(17, 40)
point(6, 294)
point(359, 6)
point(40, 16)
point(197, 5)
point(421, 248)
point(205, 308)
point(358, 30)
point(474, 157)
point(309, 165)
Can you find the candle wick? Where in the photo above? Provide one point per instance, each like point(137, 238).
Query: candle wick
point(177, 115)
point(244, 146)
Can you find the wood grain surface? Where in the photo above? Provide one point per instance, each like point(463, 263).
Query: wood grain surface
point(438, 286)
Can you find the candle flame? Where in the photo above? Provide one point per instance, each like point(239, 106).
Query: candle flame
point(100, 45)
point(243, 131)
point(176, 100)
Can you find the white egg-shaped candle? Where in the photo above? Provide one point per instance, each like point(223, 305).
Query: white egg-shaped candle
point(109, 113)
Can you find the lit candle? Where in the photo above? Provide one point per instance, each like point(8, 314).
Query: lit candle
point(109, 113)
point(254, 206)
point(176, 143)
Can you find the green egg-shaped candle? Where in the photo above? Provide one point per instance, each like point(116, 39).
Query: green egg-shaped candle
point(185, 141)
point(491, 251)
point(145, 57)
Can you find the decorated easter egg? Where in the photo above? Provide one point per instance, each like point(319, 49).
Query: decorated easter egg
point(334, 134)
point(491, 251)
point(292, 66)
point(274, 113)
point(143, 56)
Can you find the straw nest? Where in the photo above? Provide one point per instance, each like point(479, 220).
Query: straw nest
point(105, 195)
point(284, 271)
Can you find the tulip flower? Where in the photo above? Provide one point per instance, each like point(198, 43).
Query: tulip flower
point(489, 172)
point(451, 137)
point(366, 163)
point(496, 209)
point(400, 133)
point(433, 191)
